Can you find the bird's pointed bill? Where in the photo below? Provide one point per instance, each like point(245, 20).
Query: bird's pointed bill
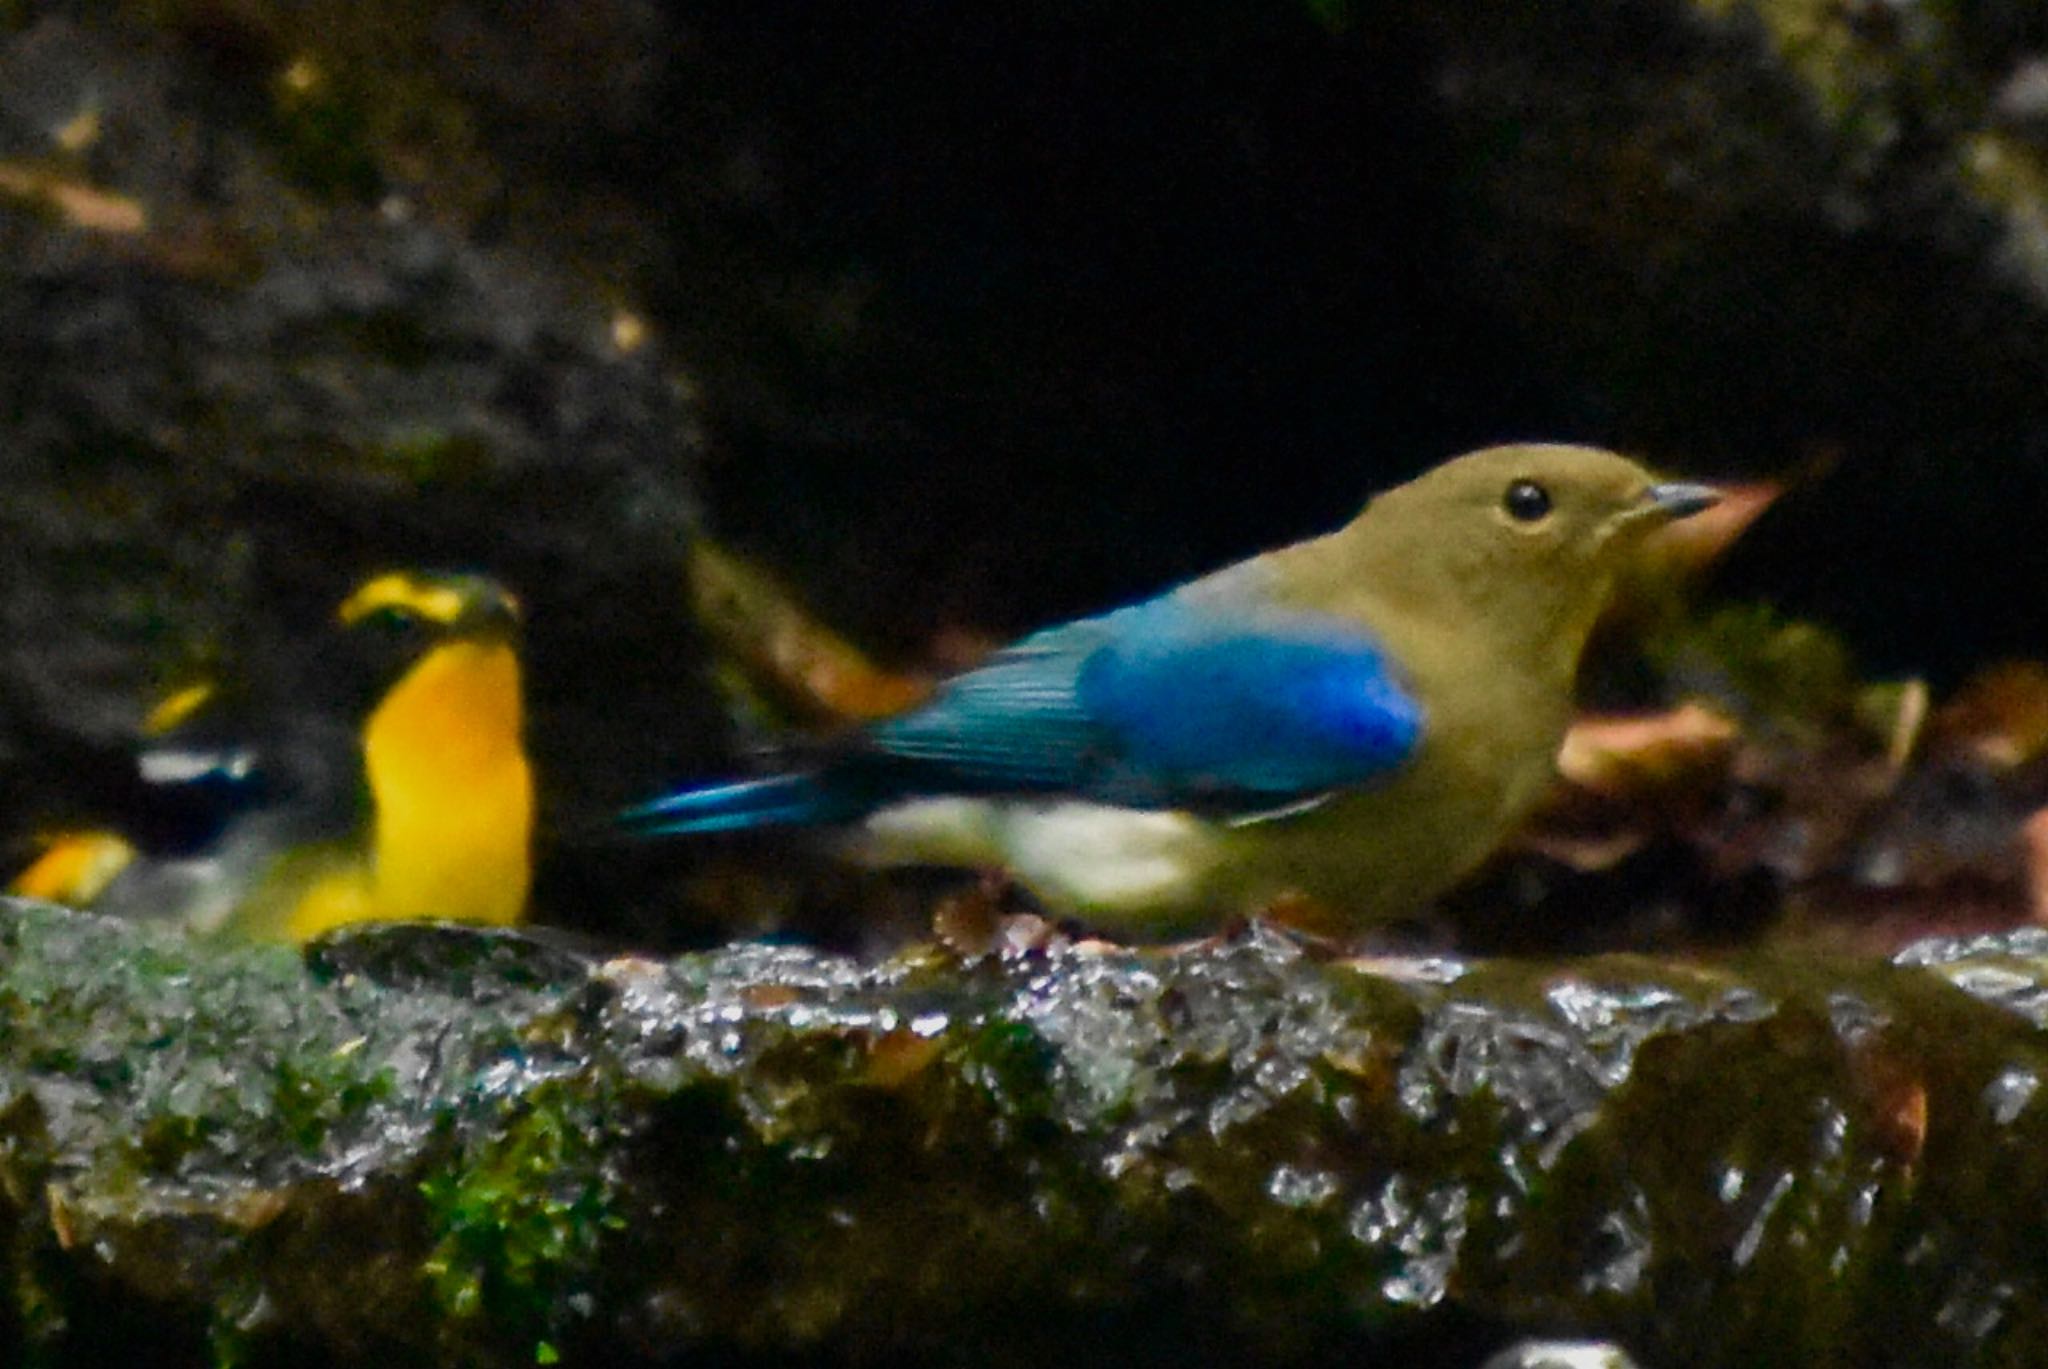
point(1675, 500)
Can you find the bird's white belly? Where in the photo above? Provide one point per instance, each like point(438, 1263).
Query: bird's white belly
point(1077, 857)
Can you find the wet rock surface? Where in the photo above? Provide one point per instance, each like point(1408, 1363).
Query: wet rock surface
point(970, 320)
point(431, 1143)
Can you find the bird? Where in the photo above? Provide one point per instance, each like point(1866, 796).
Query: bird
point(415, 802)
point(171, 789)
point(1355, 720)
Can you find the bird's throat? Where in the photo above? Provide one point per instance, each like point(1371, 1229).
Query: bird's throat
point(451, 788)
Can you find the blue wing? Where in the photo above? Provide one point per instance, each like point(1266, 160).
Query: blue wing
point(1154, 706)
point(1017, 721)
point(1159, 705)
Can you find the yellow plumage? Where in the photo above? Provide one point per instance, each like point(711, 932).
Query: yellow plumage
point(74, 868)
point(448, 822)
point(452, 789)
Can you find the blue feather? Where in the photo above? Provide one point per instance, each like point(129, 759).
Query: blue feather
point(1279, 709)
point(779, 800)
point(1155, 706)
point(1165, 705)
point(1017, 721)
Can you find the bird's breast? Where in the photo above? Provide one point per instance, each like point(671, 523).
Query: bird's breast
point(451, 789)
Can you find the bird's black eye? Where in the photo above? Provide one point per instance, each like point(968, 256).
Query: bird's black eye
point(1526, 501)
point(390, 622)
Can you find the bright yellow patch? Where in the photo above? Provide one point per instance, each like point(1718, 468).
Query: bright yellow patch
point(422, 598)
point(75, 868)
point(174, 708)
point(335, 899)
point(452, 790)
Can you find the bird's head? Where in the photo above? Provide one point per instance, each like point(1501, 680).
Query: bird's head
point(430, 607)
point(419, 626)
point(1539, 509)
point(1529, 537)
point(443, 757)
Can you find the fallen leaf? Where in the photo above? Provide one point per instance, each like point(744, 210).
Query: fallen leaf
point(2001, 714)
point(85, 206)
point(1621, 755)
point(2034, 846)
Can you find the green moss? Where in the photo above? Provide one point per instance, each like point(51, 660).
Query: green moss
point(1298, 1152)
point(519, 1225)
point(313, 1093)
point(1013, 1065)
point(164, 1141)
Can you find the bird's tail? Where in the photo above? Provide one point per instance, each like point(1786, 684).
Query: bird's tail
point(778, 801)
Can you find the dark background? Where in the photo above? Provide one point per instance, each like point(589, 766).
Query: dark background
point(1102, 295)
point(976, 316)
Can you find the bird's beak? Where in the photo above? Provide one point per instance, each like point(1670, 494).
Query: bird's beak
point(1675, 501)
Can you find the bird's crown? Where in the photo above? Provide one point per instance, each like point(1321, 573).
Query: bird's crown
point(447, 602)
point(1520, 542)
point(1575, 500)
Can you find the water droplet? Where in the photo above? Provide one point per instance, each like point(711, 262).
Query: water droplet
point(2007, 1096)
point(1292, 1186)
point(1753, 1237)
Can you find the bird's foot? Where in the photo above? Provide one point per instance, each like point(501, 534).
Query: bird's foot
point(1294, 919)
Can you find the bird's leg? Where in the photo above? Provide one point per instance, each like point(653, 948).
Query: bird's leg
point(1293, 918)
point(1314, 945)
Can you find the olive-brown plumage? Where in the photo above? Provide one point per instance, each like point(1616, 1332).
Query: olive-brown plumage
point(1357, 719)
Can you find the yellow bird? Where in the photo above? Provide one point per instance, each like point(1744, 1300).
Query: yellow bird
point(430, 814)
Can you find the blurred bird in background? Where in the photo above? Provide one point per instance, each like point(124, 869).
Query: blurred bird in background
point(1356, 720)
point(420, 806)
